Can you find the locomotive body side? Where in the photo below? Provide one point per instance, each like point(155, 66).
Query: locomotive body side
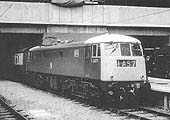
point(59, 62)
point(63, 61)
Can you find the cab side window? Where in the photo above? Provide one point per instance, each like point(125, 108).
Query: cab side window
point(96, 50)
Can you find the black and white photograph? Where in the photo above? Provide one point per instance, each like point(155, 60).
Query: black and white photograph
point(84, 59)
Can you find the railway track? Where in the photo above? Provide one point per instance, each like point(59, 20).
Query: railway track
point(144, 113)
point(139, 113)
point(8, 113)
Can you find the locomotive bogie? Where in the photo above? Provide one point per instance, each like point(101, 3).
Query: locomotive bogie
point(105, 92)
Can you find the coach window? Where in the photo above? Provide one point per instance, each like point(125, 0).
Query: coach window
point(96, 50)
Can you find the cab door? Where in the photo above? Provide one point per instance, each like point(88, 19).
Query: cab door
point(92, 61)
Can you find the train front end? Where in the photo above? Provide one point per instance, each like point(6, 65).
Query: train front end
point(123, 62)
point(123, 69)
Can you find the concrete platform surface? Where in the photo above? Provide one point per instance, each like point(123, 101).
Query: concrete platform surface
point(160, 85)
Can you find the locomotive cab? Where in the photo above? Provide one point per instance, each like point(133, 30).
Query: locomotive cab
point(120, 58)
point(120, 65)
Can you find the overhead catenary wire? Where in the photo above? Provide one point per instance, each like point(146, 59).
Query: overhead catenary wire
point(129, 19)
point(141, 16)
point(4, 11)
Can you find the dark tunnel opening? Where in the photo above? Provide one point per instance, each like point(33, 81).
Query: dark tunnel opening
point(11, 43)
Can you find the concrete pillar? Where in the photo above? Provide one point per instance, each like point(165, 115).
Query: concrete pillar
point(166, 103)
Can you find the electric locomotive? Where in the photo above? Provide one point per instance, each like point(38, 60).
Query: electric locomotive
point(108, 67)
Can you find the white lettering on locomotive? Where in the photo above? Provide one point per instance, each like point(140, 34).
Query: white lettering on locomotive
point(94, 60)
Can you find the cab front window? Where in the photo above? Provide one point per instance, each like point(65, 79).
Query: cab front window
point(122, 49)
point(125, 49)
point(111, 49)
point(136, 49)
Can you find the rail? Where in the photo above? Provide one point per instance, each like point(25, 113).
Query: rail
point(7, 112)
point(144, 113)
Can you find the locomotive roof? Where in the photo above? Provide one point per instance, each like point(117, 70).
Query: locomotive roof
point(98, 39)
point(59, 45)
point(111, 38)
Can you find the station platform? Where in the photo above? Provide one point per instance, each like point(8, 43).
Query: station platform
point(162, 86)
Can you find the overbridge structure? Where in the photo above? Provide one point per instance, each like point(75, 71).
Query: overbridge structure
point(27, 17)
